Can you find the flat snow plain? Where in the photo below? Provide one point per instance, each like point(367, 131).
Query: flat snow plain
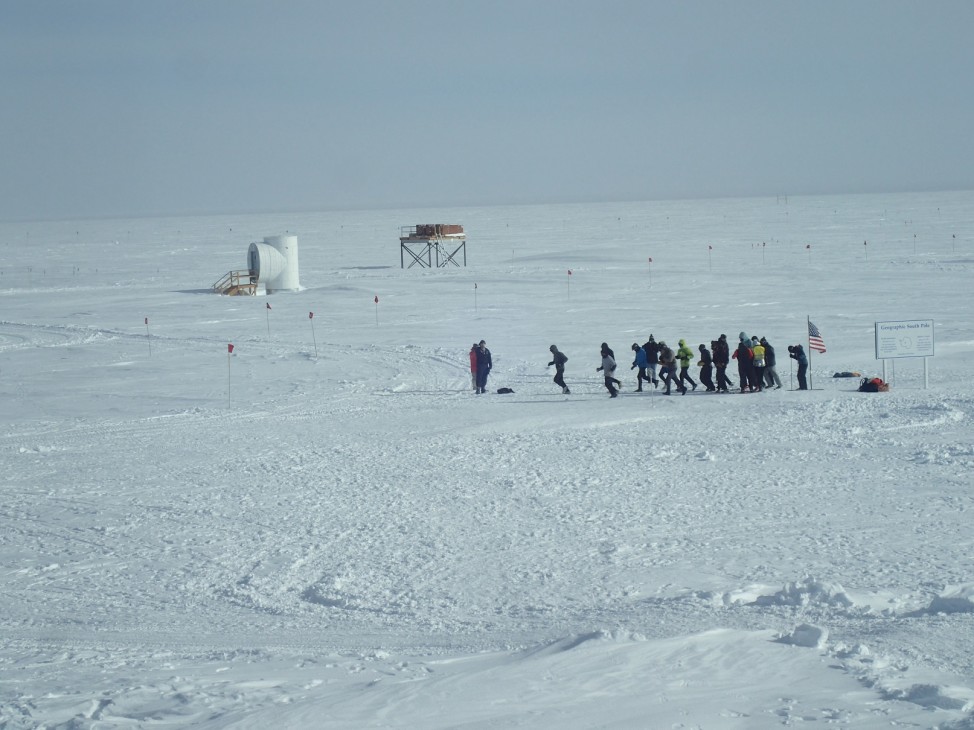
point(328, 529)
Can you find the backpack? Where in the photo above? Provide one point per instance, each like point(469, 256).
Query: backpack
point(873, 385)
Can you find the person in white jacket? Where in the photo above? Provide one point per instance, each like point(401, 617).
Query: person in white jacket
point(607, 368)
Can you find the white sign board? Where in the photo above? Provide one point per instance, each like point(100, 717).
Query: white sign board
point(912, 338)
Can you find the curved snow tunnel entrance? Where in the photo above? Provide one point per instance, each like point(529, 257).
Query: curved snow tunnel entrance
point(275, 263)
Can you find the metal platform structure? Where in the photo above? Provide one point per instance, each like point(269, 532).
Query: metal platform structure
point(432, 244)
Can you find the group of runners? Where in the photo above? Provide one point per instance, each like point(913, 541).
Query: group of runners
point(657, 361)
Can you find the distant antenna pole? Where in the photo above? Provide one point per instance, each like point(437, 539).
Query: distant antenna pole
point(569, 283)
point(650, 272)
point(148, 337)
point(710, 257)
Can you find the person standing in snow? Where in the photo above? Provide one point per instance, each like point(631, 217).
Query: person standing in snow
point(770, 374)
point(606, 368)
point(797, 353)
point(706, 368)
point(651, 349)
point(558, 359)
point(685, 355)
point(473, 368)
point(640, 362)
point(484, 366)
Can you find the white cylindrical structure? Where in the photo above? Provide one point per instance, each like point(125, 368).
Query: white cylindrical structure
point(275, 263)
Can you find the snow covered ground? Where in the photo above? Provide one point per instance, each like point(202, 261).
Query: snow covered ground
point(327, 528)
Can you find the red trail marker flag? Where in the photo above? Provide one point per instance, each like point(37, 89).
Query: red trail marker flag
point(311, 317)
point(229, 352)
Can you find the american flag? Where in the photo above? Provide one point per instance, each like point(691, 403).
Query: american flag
point(815, 341)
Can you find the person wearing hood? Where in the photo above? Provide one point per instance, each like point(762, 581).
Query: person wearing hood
point(667, 359)
point(706, 364)
point(652, 358)
point(685, 355)
point(606, 349)
point(745, 364)
point(607, 367)
point(771, 378)
point(558, 359)
point(640, 362)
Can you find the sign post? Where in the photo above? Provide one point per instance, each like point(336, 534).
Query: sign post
point(909, 338)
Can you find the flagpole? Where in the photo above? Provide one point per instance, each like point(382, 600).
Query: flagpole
point(808, 341)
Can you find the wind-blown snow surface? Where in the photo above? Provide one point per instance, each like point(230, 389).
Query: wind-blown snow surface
point(328, 529)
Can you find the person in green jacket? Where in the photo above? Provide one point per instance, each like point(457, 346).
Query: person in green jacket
point(685, 355)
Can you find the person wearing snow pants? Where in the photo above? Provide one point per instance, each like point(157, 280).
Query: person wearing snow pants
point(770, 374)
point(797, 353)
point(558, 359)
point(706, 369)
point(473, 368)
point(684, 354)
point(484, 366)
point(640, 362)
point(606, 368)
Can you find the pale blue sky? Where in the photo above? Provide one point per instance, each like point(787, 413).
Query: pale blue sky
point(181, 106)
